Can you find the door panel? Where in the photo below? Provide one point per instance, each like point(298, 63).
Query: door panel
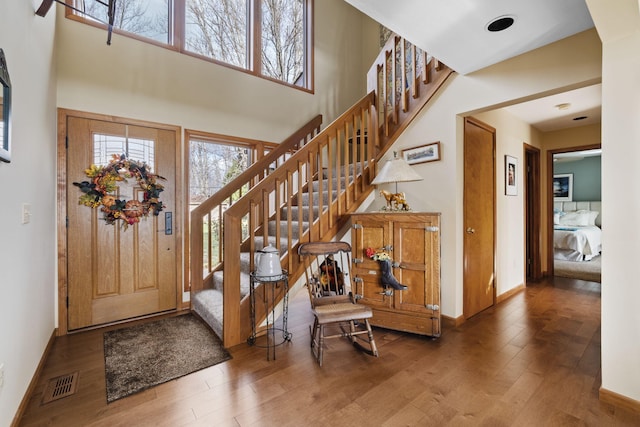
point(116, 273)
point(412, 249)
point(479, 202)
point(375, 234)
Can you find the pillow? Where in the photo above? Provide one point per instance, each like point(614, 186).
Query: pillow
point(579, 218)
point(591, 216)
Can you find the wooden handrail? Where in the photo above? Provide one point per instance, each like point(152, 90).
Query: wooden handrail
point(216, 203)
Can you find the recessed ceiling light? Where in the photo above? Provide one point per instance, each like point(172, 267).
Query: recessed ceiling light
point(579, 118)
point(500, 23)
point(563, 106)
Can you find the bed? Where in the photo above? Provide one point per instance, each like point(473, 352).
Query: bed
point(577, 234)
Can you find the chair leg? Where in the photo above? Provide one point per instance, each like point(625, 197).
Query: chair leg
point(314, 332)
point(352, 328)
point(321, 344)
point(372, 342)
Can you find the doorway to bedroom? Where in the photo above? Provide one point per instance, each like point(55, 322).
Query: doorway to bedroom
point(575, 217)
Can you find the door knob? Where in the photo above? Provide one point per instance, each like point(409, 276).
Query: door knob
point(470, 230)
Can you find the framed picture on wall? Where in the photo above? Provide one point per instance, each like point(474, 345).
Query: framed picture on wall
point(423, 153)
point(563, 187)
point(510, 177)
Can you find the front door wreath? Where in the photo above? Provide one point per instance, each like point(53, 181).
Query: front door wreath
point(104, 179)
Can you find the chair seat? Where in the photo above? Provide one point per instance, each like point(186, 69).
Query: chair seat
point(342, 312)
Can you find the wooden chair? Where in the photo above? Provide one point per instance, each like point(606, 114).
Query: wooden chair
point(332, 302)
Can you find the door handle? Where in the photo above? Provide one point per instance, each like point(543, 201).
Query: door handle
point(168, 223)
point(470, 230)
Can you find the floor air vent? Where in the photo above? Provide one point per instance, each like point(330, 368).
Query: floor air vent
point(60, 387)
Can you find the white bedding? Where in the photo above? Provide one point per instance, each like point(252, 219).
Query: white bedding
point(577, 243)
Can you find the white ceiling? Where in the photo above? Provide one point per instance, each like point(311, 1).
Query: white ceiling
point(544, 115)
point(454, 31)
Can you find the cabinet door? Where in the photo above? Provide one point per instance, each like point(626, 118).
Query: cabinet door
point(369, 233)
point(416, 250)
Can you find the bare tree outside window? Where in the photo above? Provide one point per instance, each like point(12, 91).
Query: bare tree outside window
point(147, 18)
point(212, 166)
point(282, 39)
point(217, 29)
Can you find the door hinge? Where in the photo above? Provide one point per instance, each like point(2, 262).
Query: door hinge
point(66, 222)
point(67, 301)
point(434, 307)
point(66, 141)
point(357, 226)
point(432, 228)
point(358, 279)
point(358, 261)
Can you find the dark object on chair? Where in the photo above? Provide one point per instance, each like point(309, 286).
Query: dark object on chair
point(331, 277)
point(339, 310)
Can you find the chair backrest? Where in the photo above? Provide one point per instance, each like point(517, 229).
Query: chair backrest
point(327, 268)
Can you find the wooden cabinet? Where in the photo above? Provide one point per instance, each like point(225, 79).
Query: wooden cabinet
point(413, 241)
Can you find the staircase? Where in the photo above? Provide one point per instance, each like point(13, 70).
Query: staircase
point(320, 178)
point(208, 303)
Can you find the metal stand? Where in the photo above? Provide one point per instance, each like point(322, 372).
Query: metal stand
point(271, 284)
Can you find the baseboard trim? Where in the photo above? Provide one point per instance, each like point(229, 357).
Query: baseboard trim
point(615, 399)
point(511, 292)
point(34, 380)
point(452, 322)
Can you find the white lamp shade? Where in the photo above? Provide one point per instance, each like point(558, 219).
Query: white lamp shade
point(396, 170)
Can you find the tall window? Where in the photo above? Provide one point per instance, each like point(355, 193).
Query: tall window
point(267, 38)
point(218, 29)
point(212, 165)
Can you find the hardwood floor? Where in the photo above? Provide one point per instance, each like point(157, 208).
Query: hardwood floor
point(533, 360)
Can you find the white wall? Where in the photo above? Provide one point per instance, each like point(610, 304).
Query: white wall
point(618, 24)
point(569, 63)
point(27, 252)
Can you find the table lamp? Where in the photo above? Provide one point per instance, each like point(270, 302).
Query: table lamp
point(395, 170)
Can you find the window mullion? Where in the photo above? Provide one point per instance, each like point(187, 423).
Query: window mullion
point(256, 37)
point(178, 24)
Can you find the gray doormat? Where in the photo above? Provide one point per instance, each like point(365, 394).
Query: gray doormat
point(142, 356)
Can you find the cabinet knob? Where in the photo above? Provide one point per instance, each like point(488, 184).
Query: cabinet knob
point(470, 230)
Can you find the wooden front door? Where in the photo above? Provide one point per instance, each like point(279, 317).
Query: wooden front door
point(479, 205)
point(116, 273)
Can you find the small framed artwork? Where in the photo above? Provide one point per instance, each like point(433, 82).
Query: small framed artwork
point(510, 176)
point(422, 153)
point(563, 187)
